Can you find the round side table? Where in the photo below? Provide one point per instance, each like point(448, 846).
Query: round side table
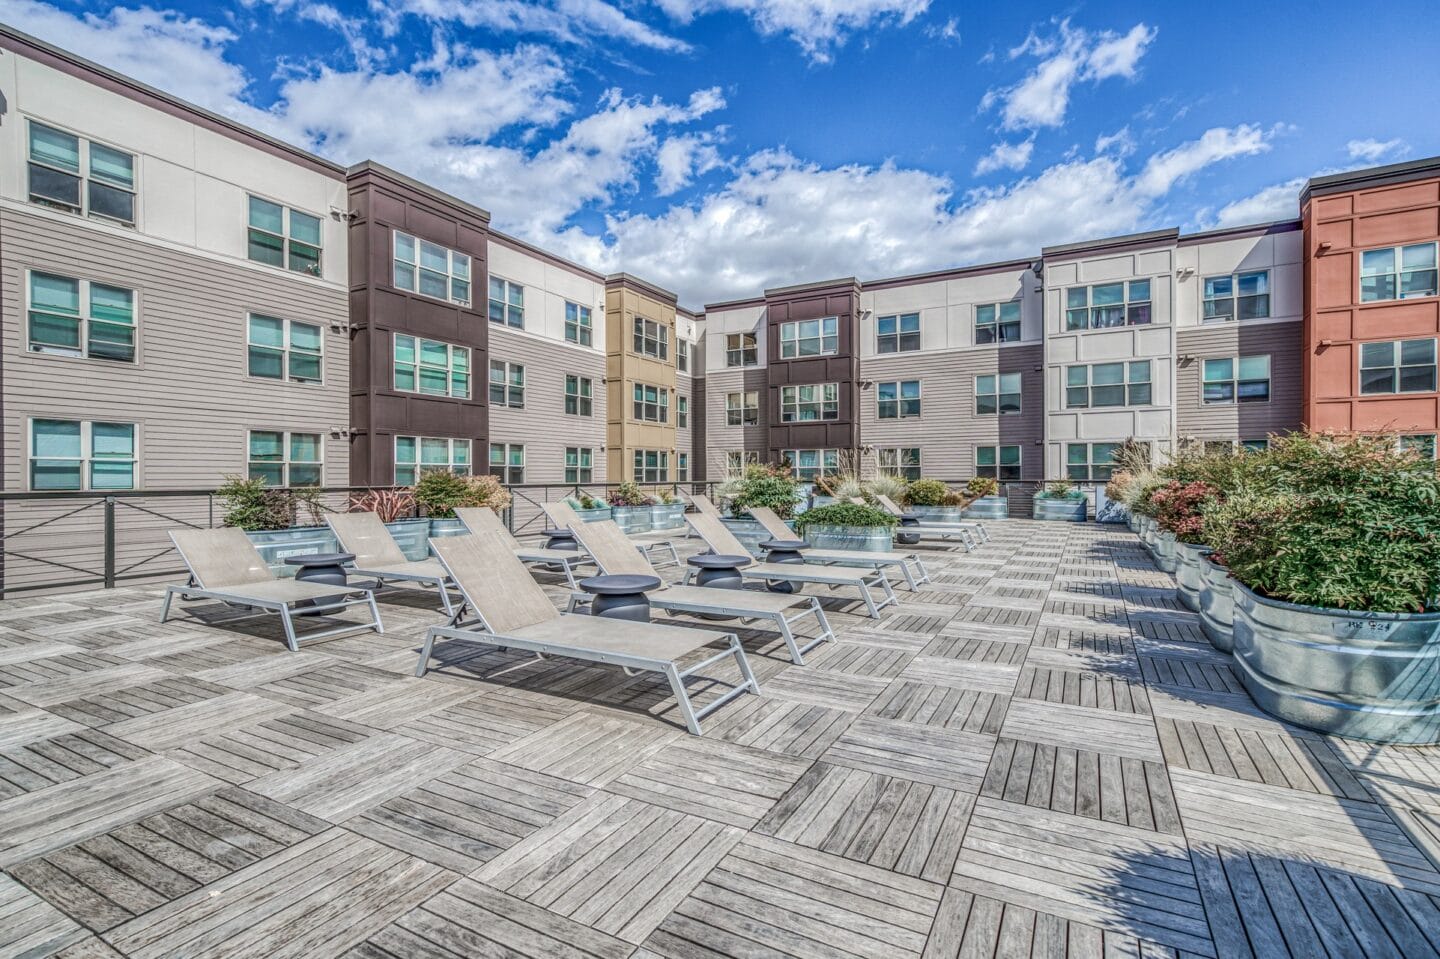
point(908, 539)
point(560, 538)
point(325, 568)
point(783, 551)
point(620, 597)
point(719, 571)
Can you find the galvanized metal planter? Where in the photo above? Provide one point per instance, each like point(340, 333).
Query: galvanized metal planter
point(1188, 582)
point(936, 514)
point(632, 519)
point(1372, 676)
point(987, 507)
point(667, 516)
point(594, 515)
point(446, 527)
point(867, 539)
point(274, 545)
point(1132, 520)
point(1217, 604)
point(749, 532)
point(1148, 529)
point(412, 536)
point(1068, 510)
point(1164, 552)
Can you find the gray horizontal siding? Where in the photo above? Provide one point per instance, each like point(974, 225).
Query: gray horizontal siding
point(720, 437)
point(1195, 419)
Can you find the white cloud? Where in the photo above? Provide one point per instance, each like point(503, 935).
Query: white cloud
point(1280, 201)
point(326, 15)
point(1121, 143)
point(1376, 151)
point(682, 158)
point(1163, 170)
point(1072, 55)
point(948, 32)
point(571, 21)
point(1006, 156)
point(820, 27)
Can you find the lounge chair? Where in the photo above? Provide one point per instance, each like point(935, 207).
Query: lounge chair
point(704, 505)
point(721, 541)
point(480, 519)
point(378, 555)
point(914, 575)
point(225, 565)
point(513, 612)
point(976, 528)
point(615, 555)
point(563, 515)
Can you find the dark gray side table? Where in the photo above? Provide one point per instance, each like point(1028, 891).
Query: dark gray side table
point(324, 568)
point(620, 597)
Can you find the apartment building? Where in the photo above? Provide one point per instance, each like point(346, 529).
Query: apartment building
point(689, 397)
point(641, 381)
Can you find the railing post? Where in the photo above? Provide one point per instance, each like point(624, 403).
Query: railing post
point(109, 542)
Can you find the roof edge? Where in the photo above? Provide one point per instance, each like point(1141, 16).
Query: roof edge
point(1422, 169)
point(409, 182)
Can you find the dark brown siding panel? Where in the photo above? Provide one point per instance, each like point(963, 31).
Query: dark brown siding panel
point(841, 300)
point(1195, 419)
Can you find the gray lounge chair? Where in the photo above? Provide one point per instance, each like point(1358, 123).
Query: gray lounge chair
point(479, 519)
point(563, 515)
point(513, 612)
point(722, 541)
point(908, 563)
point(378, 555)
point(615, 555)
point(704, 505)
point(225, 565)
point(976, 528)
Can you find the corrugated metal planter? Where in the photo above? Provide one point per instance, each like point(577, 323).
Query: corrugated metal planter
point(1217, 604)
point(822, 501)
point(1187, 574)
point(1372, 676)
point(987, 507)
point(594, 515)
point(412, 536)
point(866, 539)
point(446, 527)
point(748, 532)
point(1148, 529)
point(632, 519)
point(274, 545)
point(667, 516)
point(1132, 520)
point(1067, 510)
point(936, 514)
point(1164, 552)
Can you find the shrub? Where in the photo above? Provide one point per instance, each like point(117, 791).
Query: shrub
point(844, 514)
point(772, 486)
point(486, 491)
point(886, 484)
point(1119, 485)
point(982, 486)
point(1059, 489)
point(1178, 508)
point(251, 506)
point(955, 497)
point(1144, 491)
point(926, 492)
point(1137, 486)
point(388, 504)
point(438, 493)
point(584, 501)
point(663, 497)
point(848, 486)
point(628, 494)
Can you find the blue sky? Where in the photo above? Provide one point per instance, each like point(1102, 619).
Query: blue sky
point(721, 146)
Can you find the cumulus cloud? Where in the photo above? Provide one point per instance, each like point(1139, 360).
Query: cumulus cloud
point(1376, 151)
point(820, 27)
point(1163, 170)
point(1280, 201)
point(570, 21)
point(1006, 156)
point(682, 158)
point(1120, 143)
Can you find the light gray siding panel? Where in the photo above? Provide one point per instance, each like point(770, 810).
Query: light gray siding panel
point(719, 437)
point(1198, 420)
point(685, 438)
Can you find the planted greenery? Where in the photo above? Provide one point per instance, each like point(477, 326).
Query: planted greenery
point(439, 491)
point(886, 484)
point(629, 494)
point(250, 505)
point(772, 486)
point(844, 514)
point(926, 492)
point(1178, 505)
point(982, 486)
point(1059, 489)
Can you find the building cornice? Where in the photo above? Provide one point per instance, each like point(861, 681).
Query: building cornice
point(1426, 169)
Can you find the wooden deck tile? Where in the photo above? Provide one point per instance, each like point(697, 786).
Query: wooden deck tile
point(587, 748)
point(730, 784)
point(818, 688)
point(795, 729)
point(916, 702)
point(1095, 690)
point(172, 728)
point(117, 705)
point(1272, 756)
point(1106, 730)
point(26, 725)
point(859, 659)
point(1400, 775)
point(249, 752)
point(928, 754)
point(495, 718)
point(95, 682)
point(30, 926)
point(394, 704)
point(60, 759)
point(975, 649)
point(986, 677)
point(1173, 671)
point(325, 684)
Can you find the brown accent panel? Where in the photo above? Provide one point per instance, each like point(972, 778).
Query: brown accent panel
point(840, 299)
point(1238, 421)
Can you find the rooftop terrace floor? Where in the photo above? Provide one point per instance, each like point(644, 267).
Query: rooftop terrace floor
point(1037, 755)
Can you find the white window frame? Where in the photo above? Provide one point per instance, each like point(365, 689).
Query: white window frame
point(287, 212)
point(512, 394)
point(682, 355)
point(649, 338)
point(1130, 382)
point(83, 321)
point(1425, 443)
point(829, 463)
point(900, 401)
point(507, 467)
point(452, 351)
point(899, 337)
point(457, 270)
point(85, 463)
point(583, 402)
point(826, 338)
point(1398, 272)
point(645, 410)
point(1235, 380)
point(995, 470)
point(84, 175)
point(992, 330)
point(1127, 305)
point(682, 412)
point(737, 460)
point(682, 467)
point(739, 352)
point(509, 312)
point(645, 472)
point(452, 463)
point(287, 460)
point(286, 325)
point(579, 465)
point(1397, 366)
point(1093, 468)
point(579, 327)
point(998, 392)
point(826, 405)
point(1235, 298)
point(747, 412)
point(891, 461)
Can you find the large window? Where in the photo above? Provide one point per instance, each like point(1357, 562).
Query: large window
point(740, 349)
point(507, 384)
point(579, 464)
point(682, 355)
point(809, 464)
point(1107, 304)
point(682, 467)
point(897, 334)
point(1108, 384)
point(682, 412)
point(431, 269)
point(507, 303)
point(742, 409)
point(997, 322)
point(578, 398)
point(737, 460)
point(652, 403)
point(898, 399)
point(652, 466)
point(577, 324)
point(415, 455)
point(1401, 366)
point(1423, 444)
point(810, 338)
point(1397, 272)
point(280, 236)
point(81, 176)
point(1239, 296)
point(1242, 379)
point(1090, 461)
point(903, 462)
point(998, 462)
point(997, 393)
point(429, 366)
point(285, 459)
point(285, 349)
point(76, 455)
point(507, 461)
point(651, 338)
point(803, 404)
point(70, 317)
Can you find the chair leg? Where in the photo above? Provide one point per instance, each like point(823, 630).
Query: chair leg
point(289, 625)
point(445, 601)
point(909, 577)
point(425, 652)
point(796, 657)
point(677, 686)
point(375, 612)
point(674, 555)
point(744, 664)
point(569, 573)
point(819, 611)
point(165, 606)
point(869, 600)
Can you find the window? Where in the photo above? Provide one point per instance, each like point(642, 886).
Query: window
point(1108, 384)
point(803, 404)
point(682, 355)
point(75, 455)
point(579, 464)
point(1397, 272)
point(651, 338)
point(997, 393)
point(1423, 444)
point(577, 324)
point(742, 409)
point(1090, 461)
point(903, 462)
point(507, 384)
point(1404, 366)
point(998, 462)
point(652, 466)
point(740, 349)
point(507, 303)
point(737, 460)
point(280, 236)
point(429, 366)
point(1240, 296)
point(285, 459)
point(431, 269)
point(897, 400)
point(578, 399)
point(898, 334)
point(810, 338)
point(652, 403)
point(80, 176)
point(809, 464)
point(284, 350)
point(507, 461)
point(415, 455)
point(682, 412)
point(1107, 304)
point(997, 322)
point(70, 317)
point(682, 467)
point(1244, 379)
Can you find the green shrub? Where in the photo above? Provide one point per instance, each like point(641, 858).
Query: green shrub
point(844, 514)
point(771, 486)
point(886, 484)
point(438, 493)
point(1059, 489)
point(251, 506)
point(926, 492)
point(1144, 488)
point(629, 494)
point(982, 486)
